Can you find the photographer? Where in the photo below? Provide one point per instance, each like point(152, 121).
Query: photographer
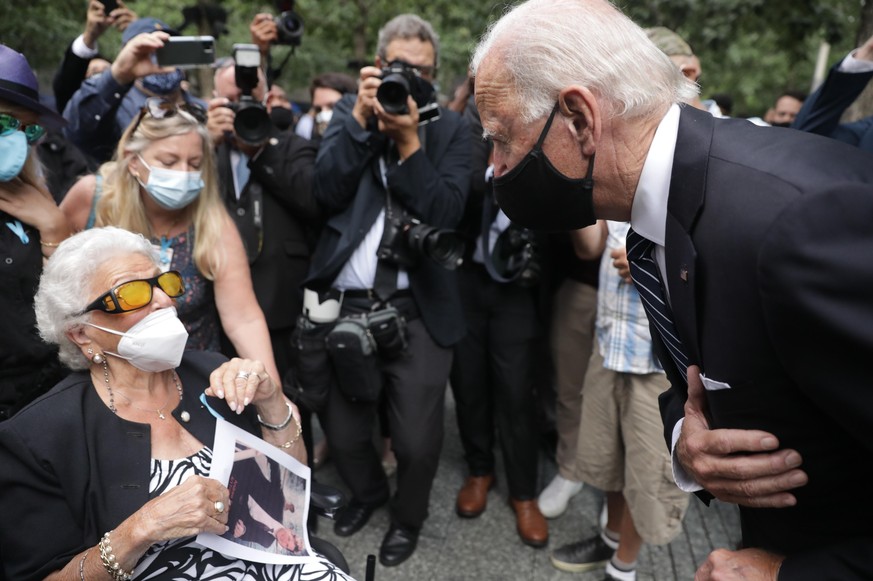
point(105, 104)
point(265, 178)
point(375, 173)
point(492, 375)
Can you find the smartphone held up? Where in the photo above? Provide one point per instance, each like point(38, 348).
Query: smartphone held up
point(186, 52)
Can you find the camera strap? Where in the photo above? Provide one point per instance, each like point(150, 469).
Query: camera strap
point(385, 281)
point(489, 212)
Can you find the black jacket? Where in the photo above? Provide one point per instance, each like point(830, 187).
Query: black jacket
point(768, 260)
point(279, 234)
point(431, 185)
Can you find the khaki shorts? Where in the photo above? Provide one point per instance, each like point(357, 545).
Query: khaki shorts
point(621, 448)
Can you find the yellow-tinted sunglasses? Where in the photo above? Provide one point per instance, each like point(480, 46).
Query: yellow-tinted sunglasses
point(135, 294)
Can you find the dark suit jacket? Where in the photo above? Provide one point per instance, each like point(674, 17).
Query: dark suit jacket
point(247, 480)
point(431, 184)
point(278, 249)
point(769, 259)
point(68, 77)
point(822, 110)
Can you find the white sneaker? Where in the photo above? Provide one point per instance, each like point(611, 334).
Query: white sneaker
point(614, 574)
point(554, 497)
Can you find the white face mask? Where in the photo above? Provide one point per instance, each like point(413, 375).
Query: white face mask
point(154, 344)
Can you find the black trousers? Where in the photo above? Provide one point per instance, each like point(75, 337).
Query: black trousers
point(414, 387)
point(492, 379)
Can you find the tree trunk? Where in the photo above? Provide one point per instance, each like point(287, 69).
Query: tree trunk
point(863, 105)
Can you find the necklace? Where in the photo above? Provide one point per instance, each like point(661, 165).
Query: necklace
point(159, 411)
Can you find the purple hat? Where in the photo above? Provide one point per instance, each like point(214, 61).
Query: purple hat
point(18, 85)
point(144, 25)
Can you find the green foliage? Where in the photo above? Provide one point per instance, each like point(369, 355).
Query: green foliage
point(751, 49)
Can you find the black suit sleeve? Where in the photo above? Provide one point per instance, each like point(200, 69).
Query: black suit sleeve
point(816, 278)
point(345, 152)
point(434, 186)
point(822, 110)
point(68, 77)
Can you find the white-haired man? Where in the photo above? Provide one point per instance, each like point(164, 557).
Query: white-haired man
point(764, 321)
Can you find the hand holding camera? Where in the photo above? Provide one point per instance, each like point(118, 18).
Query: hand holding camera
point(135, 59)
point(264, 31)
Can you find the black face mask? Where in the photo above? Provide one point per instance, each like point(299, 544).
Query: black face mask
point(537, 196)
point(282, 118)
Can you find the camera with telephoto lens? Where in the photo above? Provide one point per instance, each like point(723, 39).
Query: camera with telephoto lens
point(406, 240)
point(516, 256)
point(401, 80)
point(289, 25)
point(251, 123)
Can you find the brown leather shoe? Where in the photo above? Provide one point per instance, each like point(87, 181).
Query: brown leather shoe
point(473, 496)
point(530, 522)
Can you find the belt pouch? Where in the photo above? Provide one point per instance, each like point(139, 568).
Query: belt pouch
point(308, 381)
point(388, 328)
point(353, 354)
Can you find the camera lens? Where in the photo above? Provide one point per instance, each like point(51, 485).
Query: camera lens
point(252, 123)
point(445, 247)
point(392, 93)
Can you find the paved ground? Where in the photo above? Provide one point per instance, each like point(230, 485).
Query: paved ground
point(488, 549)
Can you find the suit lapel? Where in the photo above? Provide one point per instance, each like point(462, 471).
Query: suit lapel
point(687, 187)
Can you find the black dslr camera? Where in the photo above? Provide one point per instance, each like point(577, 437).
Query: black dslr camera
point(252, 123)
point(406, 240)
point(401, 80)
point(288, 23)
point(516, 256)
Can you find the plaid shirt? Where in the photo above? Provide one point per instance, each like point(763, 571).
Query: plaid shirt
point(622, 325)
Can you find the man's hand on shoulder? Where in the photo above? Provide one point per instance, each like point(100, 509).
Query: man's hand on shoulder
point(739, 466)
point(744, 565)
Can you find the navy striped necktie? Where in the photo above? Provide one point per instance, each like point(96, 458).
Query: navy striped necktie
point(647, 278)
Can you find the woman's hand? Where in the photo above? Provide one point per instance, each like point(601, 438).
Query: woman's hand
point(183, 511)
point(244, 381)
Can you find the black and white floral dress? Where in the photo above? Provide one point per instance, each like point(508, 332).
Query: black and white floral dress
point(185, 559)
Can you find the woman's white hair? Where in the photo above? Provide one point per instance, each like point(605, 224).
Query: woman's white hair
point(65, 285)
point(547, 45)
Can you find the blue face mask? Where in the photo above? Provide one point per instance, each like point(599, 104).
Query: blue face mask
point(172, 189)
point(163, 83)
point(13, 154)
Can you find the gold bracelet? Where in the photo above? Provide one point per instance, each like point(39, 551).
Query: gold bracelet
point(110, 563)
point(50, 244)
point(82, 566)
point(296, 437)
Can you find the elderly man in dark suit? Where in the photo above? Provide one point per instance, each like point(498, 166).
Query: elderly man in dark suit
point(763, 240)
point(376, 169)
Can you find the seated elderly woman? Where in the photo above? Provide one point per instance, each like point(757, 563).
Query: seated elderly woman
point(109, 469)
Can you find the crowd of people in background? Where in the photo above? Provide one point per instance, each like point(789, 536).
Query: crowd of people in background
point(350, 264)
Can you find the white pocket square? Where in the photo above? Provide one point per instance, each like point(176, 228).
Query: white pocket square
point(713, 385)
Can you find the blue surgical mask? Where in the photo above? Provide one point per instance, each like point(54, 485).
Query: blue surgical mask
point(163, 83)
point(13, 154)
point(170, 188)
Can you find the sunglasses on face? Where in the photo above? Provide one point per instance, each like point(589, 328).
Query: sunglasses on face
point(9, 124)
point(136, 294)
point(159, 108)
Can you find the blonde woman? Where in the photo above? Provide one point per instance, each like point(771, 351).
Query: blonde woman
point(162, 184)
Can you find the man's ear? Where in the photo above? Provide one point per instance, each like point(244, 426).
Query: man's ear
point(579, 104)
